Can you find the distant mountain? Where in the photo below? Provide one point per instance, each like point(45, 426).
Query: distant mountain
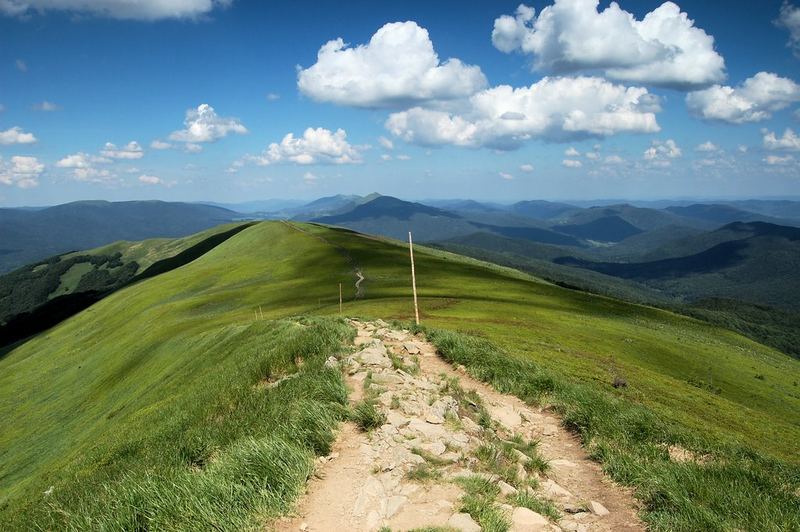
point(606, 229)
point(785, 209)
point(465, 205)
point(724, 214)
point(393, 217)
point(754, 262)
point(257, 206)
point(542, 210)
point(30, 235)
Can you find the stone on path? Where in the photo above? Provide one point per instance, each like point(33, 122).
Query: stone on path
point(506, 489)
point(463, 522)
point(524, 520)
point(598, 509)
point(411, 348)
point(554, 491)
point(374, 355)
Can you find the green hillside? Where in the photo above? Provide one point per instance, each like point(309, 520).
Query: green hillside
point(145, 410)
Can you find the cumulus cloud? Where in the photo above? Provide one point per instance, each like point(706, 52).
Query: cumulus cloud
point(118, 9)
point(273, 96)
point(506, 176)
point(556, 109)
point(204, 125)
point(790, 141)
point(571, 163)
point(386, 143)
point(707, 147)
point(21, 65)
point(397, 68)
point(81, 160)
point(15, 135)
point(659, 153)
point(614, 159)
point(386, 157)
point(752, 101)
point(82, 167)
point(403, 157)
point(572, 152)
point(790, 19)
point(159, 144)
point(310, 178)
point(150, 180)
point(527, 168)
point(46, 106)
point(664, 48)
point(131, 150)
point(21, 171)
point(778, 160)
point(316, 146)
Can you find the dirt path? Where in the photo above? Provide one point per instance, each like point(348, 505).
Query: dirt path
point(450, 446)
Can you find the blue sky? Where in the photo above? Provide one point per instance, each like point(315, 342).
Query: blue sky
point(611, 120)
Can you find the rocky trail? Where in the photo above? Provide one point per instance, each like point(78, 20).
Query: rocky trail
point(447, 452)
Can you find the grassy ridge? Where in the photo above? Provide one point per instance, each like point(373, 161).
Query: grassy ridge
point(108, 376)
point(699, 376)
point(719, 487)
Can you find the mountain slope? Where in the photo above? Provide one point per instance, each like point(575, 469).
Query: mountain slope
point(31, 235)
point(133, 404)
point(754, 262)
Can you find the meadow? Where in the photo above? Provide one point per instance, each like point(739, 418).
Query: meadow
point(148, 403)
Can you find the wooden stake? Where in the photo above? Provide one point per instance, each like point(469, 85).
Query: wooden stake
point(340, 299)
point(413, 278)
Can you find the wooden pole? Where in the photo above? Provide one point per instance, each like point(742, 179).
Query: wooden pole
point(413, 278)
point(340, 299)
point(260, 313)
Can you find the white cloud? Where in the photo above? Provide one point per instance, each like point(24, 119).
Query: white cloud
point(664, 48)
point(707, 147)
point(754, 100)
point(572, 152)
point(21, 65)
point(22, 172)
point(94, 175)
point(386, 143)
point(159, 144)
point(742, 148)
point(2, 107)
point(82, 168)
point(571, 163)
point(660, 152)
point(15, 135)
point(131, 150)
point(81, 160)
point(506, 176)
point(527, 168)
point(790, 141)
point(403, 157)
point(397, 68)
point(273, 96)
point(778, 160)
point(46, 106)
point(191, 147)
point(790, 19)
point(150, 180)
point(118, 9)
point(614, 159)
point(204, 125)
point(310, 178)
point(386, 157)
point(316, 146)
point(558, 109)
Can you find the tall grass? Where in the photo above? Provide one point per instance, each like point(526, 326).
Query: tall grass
point(728, 486)
point(233, 448)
